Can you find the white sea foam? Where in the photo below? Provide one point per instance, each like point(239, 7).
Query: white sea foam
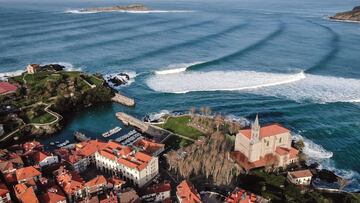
point(176, 68)
point(219, 80)
point(79, 11)
point(298, 86)
point(316, 153)
point(157, 115)
point(5, 75)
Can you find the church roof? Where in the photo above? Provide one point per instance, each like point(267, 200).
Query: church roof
point(266, 131)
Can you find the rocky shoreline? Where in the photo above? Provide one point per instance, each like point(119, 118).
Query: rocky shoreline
point(348, 16)
point(132, 7)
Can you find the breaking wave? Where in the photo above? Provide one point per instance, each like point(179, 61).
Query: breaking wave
point(218, 80)
point(175, 68)
point(132, 75)
point(317, 154)
point(5, 75)
point(78, 11)
point(299, 87)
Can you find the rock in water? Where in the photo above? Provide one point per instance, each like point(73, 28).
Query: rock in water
point(353, 15)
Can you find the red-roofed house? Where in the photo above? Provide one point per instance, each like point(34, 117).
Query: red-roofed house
point(53, 195)
point(302, 177)
point(43, 159)
point(264, 146)
point(71, 183)
point(157, 193)
point(241, 196)
point(116, 183)
point(186, 193)
point(149, 147)
point(27, 174)
point(96, 185)
point(7, 88)
point(4, 194)
point(25, 194)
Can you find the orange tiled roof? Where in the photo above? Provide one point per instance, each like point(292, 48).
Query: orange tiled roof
point(162, 187)
point(51, 197)
point(266, 131)
point(3, 189)
point(69, 181)
point(148, 146)
point(293, 153)
point(98, 180)
point(39, 156)
point(25, 194)
point(116, 181)
point(187, 192)
point(243, 161)
point(142, 157)
point(6, 87)
point(26, 173)
point(301, 174)
point(240, 196)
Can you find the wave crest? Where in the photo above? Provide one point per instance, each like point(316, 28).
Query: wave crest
point(176, 68)
point(78, 11)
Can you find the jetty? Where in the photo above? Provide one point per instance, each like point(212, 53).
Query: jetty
point(158, 134)
point(81, 137)
point(111, 132)
point(121, 99)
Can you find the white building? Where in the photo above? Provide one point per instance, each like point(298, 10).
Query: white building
point(157, 193)
point(136, 167)
point(302, 177)
point(44, 159)
point(264, 146)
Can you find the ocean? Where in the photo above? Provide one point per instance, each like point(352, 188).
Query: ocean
point(283, 60)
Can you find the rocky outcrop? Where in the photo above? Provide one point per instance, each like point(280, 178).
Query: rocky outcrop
point(133, 7)
point(353, 15)
point(118, 79)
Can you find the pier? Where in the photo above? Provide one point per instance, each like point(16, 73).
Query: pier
point(121, 99)
point(158, 134)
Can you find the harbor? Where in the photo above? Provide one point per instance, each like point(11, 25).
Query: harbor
point(112, 132)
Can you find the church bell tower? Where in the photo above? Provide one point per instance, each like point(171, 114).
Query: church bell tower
point(255, 130)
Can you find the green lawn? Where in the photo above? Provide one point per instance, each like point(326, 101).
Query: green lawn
point(179, 126)
point(43, 118)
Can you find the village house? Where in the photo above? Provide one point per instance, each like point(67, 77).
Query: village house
point(157, 193)
point(25, 194)
point(116, 183)
point(129, 195)
point(149, 147)
point(7, 88)
point(268, 146)
point(9, 165)
point(28, 175)
point(44, 159)
point(186, 193)
point(302, 177)
point(97, 185)
point(71, 183)
point(241, 196)
point(53, 195)
point(32, 68)
point(4, 194)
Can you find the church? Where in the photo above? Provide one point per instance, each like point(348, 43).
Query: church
point(267, 146)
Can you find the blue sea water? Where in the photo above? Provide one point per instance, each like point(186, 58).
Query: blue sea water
point(282, 59)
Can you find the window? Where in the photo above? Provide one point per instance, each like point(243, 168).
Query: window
point(267, 144)
point(280, 139)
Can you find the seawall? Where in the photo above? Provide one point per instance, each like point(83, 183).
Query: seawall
point(123, 100)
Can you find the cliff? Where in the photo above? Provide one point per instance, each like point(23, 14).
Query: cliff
point(353, 15)
point(133, 7)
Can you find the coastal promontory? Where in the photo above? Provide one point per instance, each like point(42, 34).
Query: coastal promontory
point(353, 15)
point(132, 7)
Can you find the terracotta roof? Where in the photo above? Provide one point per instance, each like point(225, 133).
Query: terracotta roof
point(293, 153)
point(51, 197)
point(129, 195)
point(3, 190)
point(301, 174)
point(116, 181)
point(98, 180)
point(25, 194)
point(266, 131)
point(243, 161)
point(187, 192)
point(28, 146)
point(89, 147)
point(6, 87)
point(108, 198)
point(128, 163)
point(240, 196)
point(142, 157)
point(162, 187)
point(26, 173)
point(69, 181)
point(39, 156)
point(148, 146)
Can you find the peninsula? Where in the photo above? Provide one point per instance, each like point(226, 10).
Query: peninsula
point(132, 7)
point(36, 102)
point(353, 15)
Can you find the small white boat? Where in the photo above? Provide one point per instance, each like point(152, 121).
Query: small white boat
point(52, 143)
point(112, 132)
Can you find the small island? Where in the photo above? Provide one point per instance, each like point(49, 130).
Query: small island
point(351, 16)
point(132, 7)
